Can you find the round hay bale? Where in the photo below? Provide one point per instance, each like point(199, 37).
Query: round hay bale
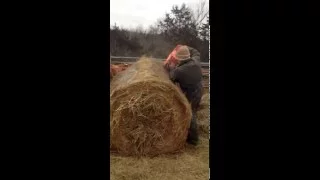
point(149, 114)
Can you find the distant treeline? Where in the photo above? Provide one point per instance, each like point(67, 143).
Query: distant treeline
point(179, 27)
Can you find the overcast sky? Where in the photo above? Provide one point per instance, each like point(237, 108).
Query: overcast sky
point(131, 13)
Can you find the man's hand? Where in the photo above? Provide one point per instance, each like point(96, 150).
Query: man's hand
point(172, 66)
point(167, 66)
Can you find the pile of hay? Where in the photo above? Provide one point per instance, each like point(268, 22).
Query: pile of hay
point(149, 114)
point(192, 164)
point(204, 115)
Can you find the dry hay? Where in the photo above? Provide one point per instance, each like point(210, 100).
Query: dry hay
point(149, 114)
point(204, 100)
point(204, 114)
point(192, 164)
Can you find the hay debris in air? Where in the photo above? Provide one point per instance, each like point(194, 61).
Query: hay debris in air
point(149, 114)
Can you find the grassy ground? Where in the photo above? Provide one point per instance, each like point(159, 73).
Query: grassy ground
point(191, 164)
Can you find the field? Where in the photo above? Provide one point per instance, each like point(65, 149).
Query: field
point(191, 164)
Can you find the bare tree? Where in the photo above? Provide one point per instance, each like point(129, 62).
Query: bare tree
point(139, 29)
point(183, 25)
point(153, 29)
point(200, 12)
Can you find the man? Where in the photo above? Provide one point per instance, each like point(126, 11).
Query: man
point(185, 69)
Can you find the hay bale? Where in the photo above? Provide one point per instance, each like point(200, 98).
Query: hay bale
point(149, 114)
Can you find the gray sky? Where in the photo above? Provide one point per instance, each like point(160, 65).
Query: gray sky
point(131, 13)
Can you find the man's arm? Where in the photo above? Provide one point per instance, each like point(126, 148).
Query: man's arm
point(194, 54)
point(173, 73)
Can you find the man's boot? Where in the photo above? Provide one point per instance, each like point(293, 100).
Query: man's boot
point(193, 137)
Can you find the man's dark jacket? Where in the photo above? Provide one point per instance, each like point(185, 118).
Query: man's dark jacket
point(188, 74)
